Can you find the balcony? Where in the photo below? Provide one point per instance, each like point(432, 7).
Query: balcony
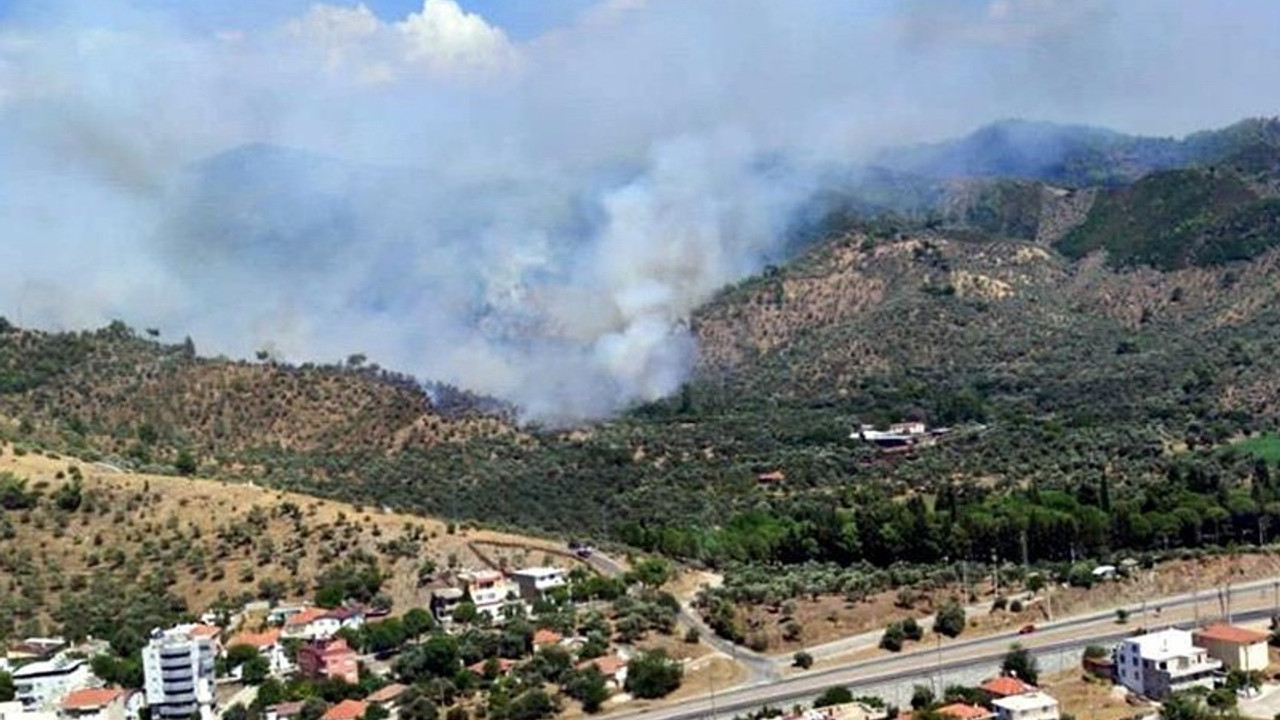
point(182, 698)
point(179, 688)
point(173, 663)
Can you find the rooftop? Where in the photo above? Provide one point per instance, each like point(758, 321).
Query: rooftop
point(58, 665)
point(546, 637)
point(387, 694)
point(608, 664)
point(1231, 634)
point(1029, 701)
point(288, 709)
point(259, 640)
point(964, 711)
point(1006, 685)
point(1165, 644)
point(539, 572)
point(90, 698)
point(346, 710)
point(305, 617)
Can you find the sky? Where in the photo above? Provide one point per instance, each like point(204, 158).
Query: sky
point(524, 198)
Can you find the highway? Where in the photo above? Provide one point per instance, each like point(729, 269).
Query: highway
point(1253, 600)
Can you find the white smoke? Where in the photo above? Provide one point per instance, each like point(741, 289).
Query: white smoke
point(532, 218)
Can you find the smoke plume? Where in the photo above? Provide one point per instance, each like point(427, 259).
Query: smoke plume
point(531, 214)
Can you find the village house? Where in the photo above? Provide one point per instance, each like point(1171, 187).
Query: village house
point(329, 658)
point(534, 582)
point(545, 637)
point(94, 704)
point(1160, 663)
point(613, 667)
point(268, 644)
point(1005, 686)
point(444, 601)
point(1236, 647)
point(387, 697)
point(1026, 706)
point(488, 590)
point(346, 710)
point(965, 711)
point(501, 665)
point(283, 711)
point(844, 711)
point(311, 624)
point(42, 685)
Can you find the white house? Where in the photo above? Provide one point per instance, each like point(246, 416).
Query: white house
point(269, 646)
point(13, 710)
point(1159, 663)
point(533, 582)
point(42, 685)
point(178, 672)
point(489, 590)
point(1029, 706)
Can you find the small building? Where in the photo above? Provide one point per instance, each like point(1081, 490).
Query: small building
point(965, 711)
point(1159, 663)
point(268, 644)
point(303, 624)
point(346, 710)
point(613, 667)
point(545, 637)
point(329, 658)
point(1026, 706)
point(94, 704)
point(1237, 647)
point(501, 665)
point(13, 710)
point(283, 711)
point(42, 685)
point(444, 601)
point(534, 582)
point(387, 697)
point(488, 590)
point(1005, 686)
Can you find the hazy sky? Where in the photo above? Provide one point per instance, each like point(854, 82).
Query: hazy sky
point(546, 188)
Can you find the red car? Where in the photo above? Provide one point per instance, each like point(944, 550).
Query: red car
point(1026, 629)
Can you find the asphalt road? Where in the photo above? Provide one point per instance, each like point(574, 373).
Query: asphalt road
point(1255, 600)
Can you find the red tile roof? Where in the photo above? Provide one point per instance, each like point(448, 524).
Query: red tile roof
point(205, 631)
point(964, 711)
point(546, 637)
point(387, 694)
point(1231, 634)
point(288, 709)
point(345, 710)
point(609, 665)
point(504, 666)
point(259, 640)
point(305, 617)
point(90, 698)
point(1004, 686)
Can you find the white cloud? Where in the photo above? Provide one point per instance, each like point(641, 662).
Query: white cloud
point(441, 40)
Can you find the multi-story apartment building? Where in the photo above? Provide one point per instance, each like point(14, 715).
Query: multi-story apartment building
point(178, 670)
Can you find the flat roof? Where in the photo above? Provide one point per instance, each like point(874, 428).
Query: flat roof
point(539, 571)
point(1026, 701)
point(57, 666)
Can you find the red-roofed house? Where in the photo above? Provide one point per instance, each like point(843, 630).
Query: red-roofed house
point(283, 711)
point(1237, 647)
point(387, 697)
point(613, 667)
point(1005, 686)
point(544, 637)
point(94, 704)
point(299, 624)
point(331, 658)
point(504, 666)
point(346, 710)
point(269, 646)
point(965, 711)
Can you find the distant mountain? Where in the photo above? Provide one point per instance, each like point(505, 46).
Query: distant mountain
point(1073, 155)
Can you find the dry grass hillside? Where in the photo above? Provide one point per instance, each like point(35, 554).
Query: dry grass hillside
point(116, 394)
point(207, 539)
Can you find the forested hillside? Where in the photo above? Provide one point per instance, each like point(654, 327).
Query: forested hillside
point(1105, 356)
